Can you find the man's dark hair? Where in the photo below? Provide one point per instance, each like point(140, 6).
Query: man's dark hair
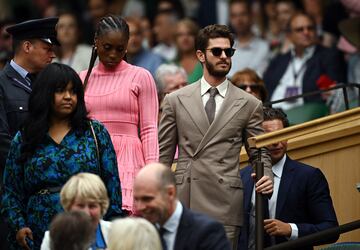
point(276, 114)
point(211, 32)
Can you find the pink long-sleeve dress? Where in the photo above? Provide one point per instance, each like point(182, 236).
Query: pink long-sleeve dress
point(125, 101)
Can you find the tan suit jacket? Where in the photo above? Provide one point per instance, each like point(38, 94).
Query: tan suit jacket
point(207, 172)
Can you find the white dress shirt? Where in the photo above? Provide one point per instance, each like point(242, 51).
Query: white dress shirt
point(297, 65)
point(219, 98)
point(171, 226)
point(277, 171)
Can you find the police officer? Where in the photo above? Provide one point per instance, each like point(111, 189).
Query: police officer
point(33, 43)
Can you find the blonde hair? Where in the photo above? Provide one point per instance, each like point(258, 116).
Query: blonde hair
point(86, 187)
point(135, 234)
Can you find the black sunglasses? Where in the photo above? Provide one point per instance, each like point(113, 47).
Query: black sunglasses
point(254, 87)
point(303, 28)
point(229, 52)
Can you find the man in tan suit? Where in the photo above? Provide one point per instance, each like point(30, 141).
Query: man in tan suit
point(210, 120)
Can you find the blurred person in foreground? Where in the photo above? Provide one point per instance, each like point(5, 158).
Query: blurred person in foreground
point(57, 141)
point(155, 196)
point(85, 192)
point(71, 231)
point(135, 234)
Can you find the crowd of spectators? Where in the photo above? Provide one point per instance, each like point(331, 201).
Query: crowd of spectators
point(119, 62)
point(163, 31)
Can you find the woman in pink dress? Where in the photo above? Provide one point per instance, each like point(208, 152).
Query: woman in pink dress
point(124, 98)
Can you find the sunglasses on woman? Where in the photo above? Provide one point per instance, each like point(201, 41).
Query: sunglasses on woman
point(254, 86)
point(216, 51)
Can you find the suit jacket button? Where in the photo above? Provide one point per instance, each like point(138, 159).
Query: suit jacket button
point(221, 180)
point(188, 179)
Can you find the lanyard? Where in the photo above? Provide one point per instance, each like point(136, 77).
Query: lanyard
point(296, 73)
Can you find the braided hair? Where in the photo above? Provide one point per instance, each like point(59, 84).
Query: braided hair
point(105, 25)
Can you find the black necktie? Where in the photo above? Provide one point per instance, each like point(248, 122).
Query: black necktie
point(31, 77)
point(162, 231)
point(210, 106)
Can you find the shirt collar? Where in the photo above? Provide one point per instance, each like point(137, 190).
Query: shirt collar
point(23, 72)
point(222, 88)
point(308, 52)
point(173, 222)
point(279, 167)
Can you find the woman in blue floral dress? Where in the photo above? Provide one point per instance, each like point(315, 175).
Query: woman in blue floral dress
point(56, 142)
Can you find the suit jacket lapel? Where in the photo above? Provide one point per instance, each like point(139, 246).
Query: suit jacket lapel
point(248, 184)
point(284, 187)
point(16, 77)
point(183, 231)
point(193, 104)
point(230, 106)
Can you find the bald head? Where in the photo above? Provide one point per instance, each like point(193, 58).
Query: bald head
point(155, 193)
point(157, 174)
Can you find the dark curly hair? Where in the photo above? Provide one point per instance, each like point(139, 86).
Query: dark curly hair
point(211, 32)
point(53, 77)
point(276, 114)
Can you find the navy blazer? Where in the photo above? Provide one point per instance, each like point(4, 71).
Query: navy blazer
point(303, 198)
point(324, 61)
point(198, 231)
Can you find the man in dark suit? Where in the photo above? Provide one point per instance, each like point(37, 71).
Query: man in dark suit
point(33, 43)
point(210, 120)
point(297, 71)
point(300, 204)
point(156, 200)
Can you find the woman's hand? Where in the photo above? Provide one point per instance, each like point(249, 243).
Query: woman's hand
point(21, 237)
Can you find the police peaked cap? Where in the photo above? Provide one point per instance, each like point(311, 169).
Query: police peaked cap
point(43, 29)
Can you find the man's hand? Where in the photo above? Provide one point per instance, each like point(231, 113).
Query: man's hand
point(275, 227)
point(264, 185)
point(21, 237)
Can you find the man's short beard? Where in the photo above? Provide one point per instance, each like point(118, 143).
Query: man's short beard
point(213, 72)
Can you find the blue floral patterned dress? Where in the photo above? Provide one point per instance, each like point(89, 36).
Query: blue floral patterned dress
point(51, 166)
